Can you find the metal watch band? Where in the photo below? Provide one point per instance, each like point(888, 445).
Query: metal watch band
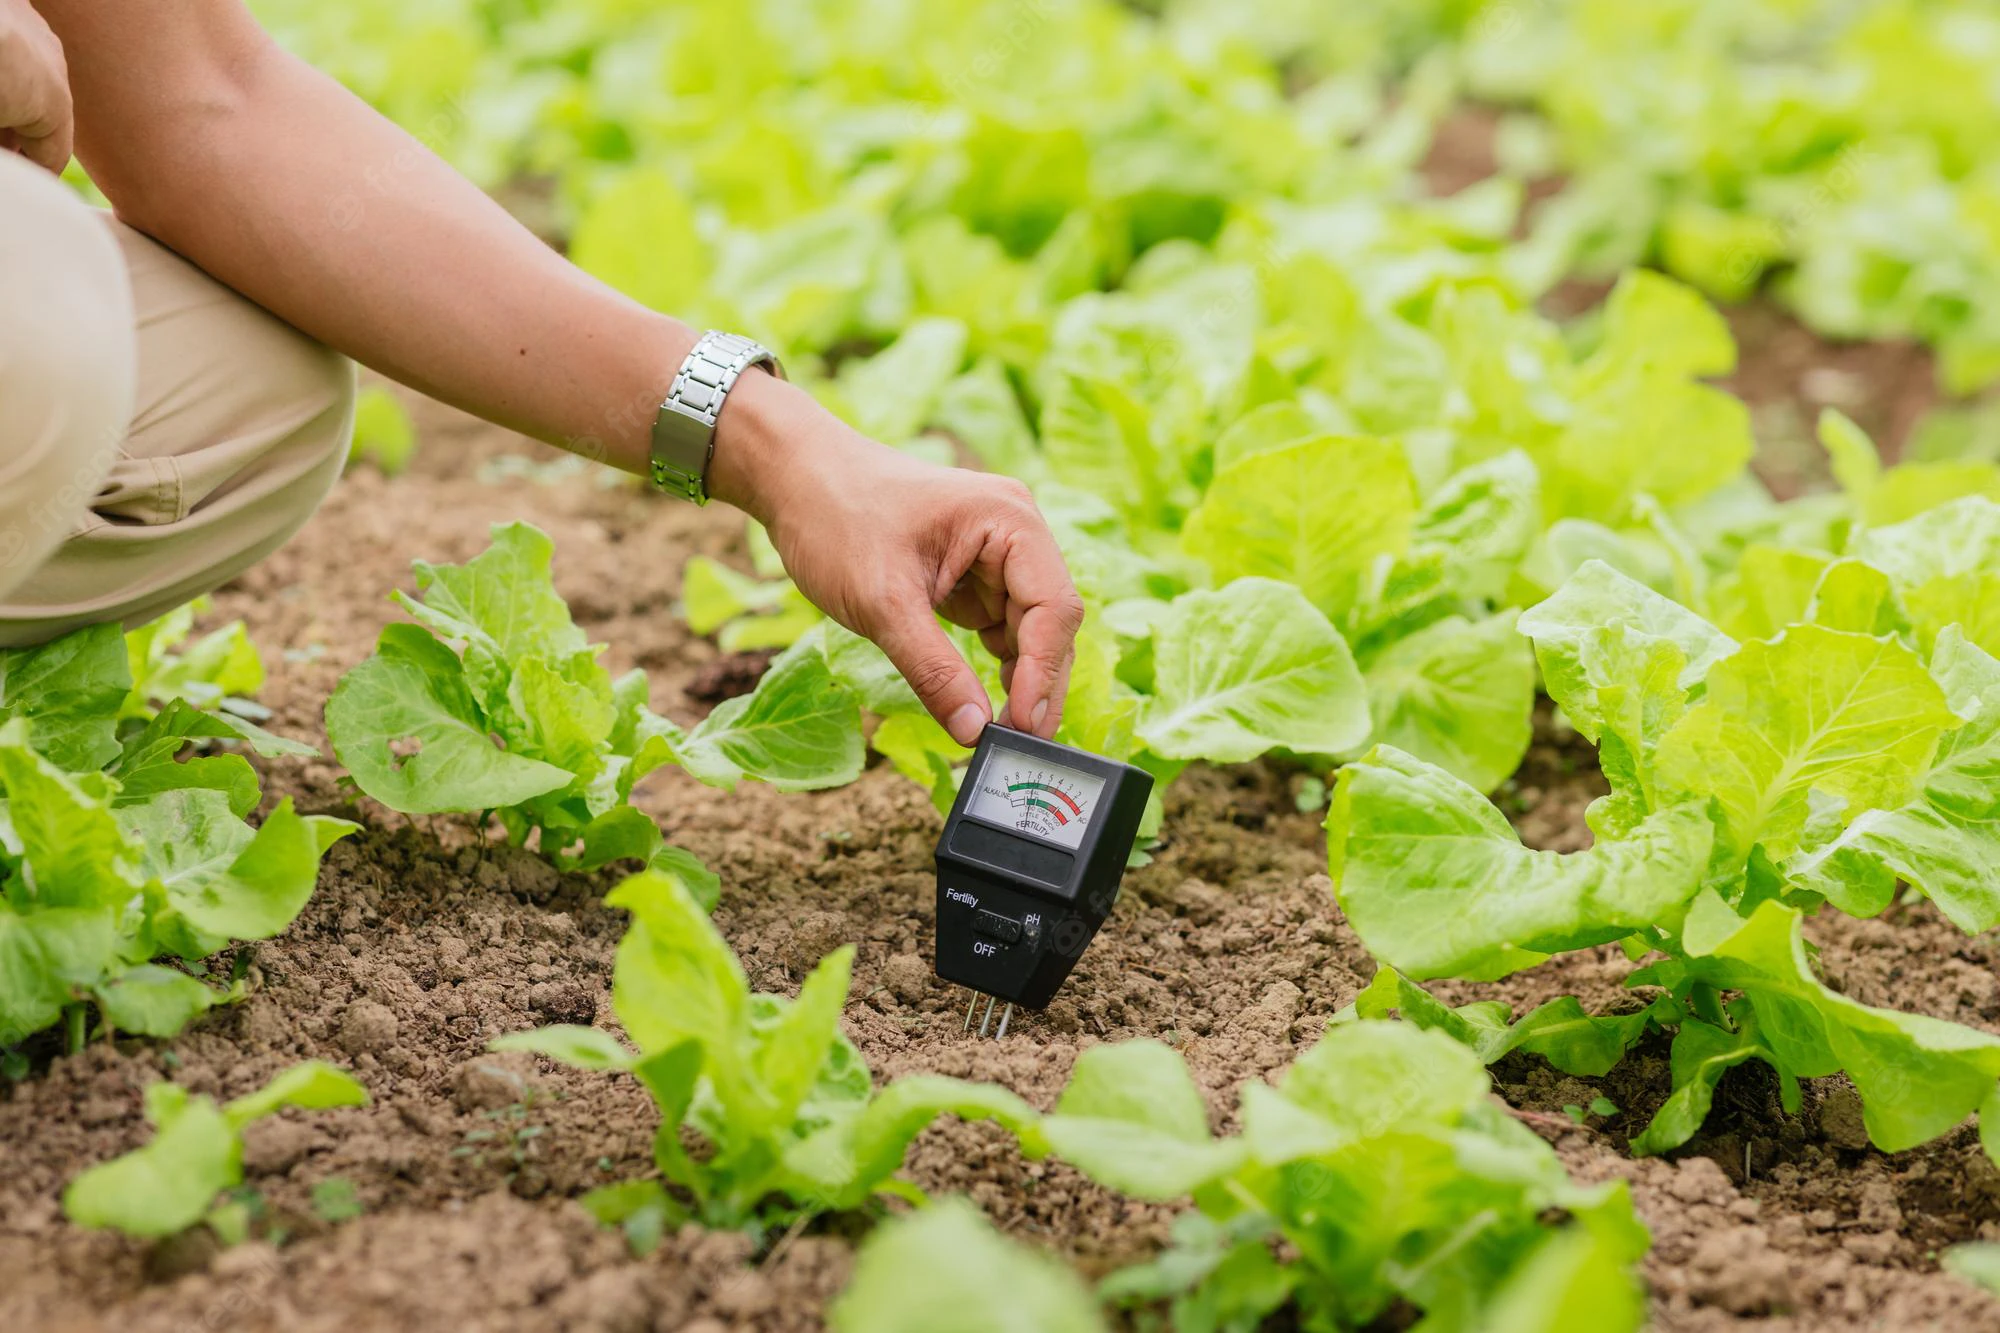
point(684, 430)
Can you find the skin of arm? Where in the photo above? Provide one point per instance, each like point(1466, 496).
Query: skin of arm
point(208, 137)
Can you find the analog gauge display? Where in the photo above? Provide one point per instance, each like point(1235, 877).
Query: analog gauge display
point(1033, 796)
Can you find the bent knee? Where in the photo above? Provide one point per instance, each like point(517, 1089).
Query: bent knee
point(306, 415)
point(327, 438)
point(286, 440)
point(67, 303)
point(239, 399)
point(67, 362)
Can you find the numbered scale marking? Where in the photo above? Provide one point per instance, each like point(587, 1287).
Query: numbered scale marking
point(1045, 800)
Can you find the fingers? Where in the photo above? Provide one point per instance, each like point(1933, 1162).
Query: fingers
point(978, 599)
point(999, 641)
point(1044, 637)
point(990, 564)
point(1041, 673)
point(34, 96)
point(945, 684)
point(52, 152)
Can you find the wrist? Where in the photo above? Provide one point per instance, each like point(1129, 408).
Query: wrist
point(750, 466)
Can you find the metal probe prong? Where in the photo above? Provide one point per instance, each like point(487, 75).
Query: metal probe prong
point(986, 1017)
point(970, 1005)
point(1005, 1014)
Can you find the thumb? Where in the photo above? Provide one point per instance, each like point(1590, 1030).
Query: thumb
point(945, 684)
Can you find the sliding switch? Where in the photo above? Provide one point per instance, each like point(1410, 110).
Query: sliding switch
point(1003, 928)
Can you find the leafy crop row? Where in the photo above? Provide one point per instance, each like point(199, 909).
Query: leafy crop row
point(1853, 748)
point(788, 1115)
point(1379, 1158)
point(1212, 357)
point(114, 853)
point(1817, 141)
point(1837, 152)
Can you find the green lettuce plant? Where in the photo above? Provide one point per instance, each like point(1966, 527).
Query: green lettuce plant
point(1377, 1171)
point(1751, 784)
point(195, 1154)
point(494, 702)
point(788, 1118)
point(115, 853)
point(219, 672)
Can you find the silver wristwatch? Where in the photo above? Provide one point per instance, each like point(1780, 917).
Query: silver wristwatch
point(684, 431)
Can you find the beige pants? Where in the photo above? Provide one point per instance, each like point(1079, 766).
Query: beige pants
point(159, 434)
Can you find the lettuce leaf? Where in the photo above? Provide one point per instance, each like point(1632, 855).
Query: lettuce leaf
point(945, 1267)
point(1849, 715)
point(1944, 841)
point(1945, 565)
point(196, 1152)
point(408, 727)
point(1248, 668)
point(1919, 1077)
point(1436, 882)
point(1132, 1118)
point(1317, 514)
point(1576, 1042)
point(69, 692)
point(1459, 694)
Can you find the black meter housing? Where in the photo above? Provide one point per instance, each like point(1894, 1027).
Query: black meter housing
point(1029, 862)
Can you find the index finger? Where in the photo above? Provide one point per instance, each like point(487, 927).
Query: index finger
point(1043, 606)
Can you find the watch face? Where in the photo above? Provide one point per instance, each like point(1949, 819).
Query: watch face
point(1033, 796)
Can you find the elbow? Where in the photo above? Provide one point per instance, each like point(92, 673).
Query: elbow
point(159, 153)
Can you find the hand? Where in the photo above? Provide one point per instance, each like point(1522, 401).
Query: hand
point(35, 114)
point(880, 540)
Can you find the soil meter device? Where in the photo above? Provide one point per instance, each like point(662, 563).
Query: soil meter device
point(1029, 863)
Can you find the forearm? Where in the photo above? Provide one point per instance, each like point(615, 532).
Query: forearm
point(273, 179)
point(279, 182)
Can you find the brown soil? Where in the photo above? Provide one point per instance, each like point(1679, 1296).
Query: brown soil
point(730, 676)
point(1789, 374)
point(424, 942)
point(1463, 150)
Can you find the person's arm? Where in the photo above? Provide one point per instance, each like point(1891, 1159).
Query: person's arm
point(267, 174)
